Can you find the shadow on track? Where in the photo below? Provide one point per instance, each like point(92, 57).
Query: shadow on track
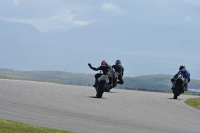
point(174, 99)
point(96, 97)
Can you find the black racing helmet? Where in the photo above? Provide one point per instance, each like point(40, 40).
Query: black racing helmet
point(118, 62)
point(182, 67)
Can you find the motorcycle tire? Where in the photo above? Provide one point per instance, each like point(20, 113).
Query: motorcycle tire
point(101, 89)
point(175, 96)
point(177, 92)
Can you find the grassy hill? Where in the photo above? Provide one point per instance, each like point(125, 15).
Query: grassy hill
point(49, 76)
point(159, 82)
point(149, 81)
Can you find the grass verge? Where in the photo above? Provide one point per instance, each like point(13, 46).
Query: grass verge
point(8, 126)
point(194, 102)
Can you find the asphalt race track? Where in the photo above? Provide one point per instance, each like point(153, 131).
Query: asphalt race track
point(74, 108)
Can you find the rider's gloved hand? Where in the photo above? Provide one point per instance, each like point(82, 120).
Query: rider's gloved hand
point(89, 65)
point(172, 79)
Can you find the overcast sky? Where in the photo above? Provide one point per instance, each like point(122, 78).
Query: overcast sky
point(46, 15)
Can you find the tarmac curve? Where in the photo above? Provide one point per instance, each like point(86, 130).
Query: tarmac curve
point(76, 109)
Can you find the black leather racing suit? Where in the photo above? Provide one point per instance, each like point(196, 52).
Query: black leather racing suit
point(119, 69)
point(104, 69)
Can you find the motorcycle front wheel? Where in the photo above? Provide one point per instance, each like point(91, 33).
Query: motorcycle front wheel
point(101, 88)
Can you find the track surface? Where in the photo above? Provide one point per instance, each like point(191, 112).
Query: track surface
point(75, 108)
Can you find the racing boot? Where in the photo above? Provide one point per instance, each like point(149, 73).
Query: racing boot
point(184, 88)
point(172, 89)
point(95, 84)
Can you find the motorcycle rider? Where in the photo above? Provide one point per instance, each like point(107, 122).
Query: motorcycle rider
point(119, 69)
point(104, 68)
point(184, 74)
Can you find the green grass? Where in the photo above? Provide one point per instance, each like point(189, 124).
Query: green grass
point(8, 126)
point(195, 102)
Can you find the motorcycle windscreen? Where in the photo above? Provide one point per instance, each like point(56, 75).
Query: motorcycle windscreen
point(104, 77)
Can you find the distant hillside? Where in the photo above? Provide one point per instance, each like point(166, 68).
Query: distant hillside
point(159, 82)
point(149, 81)
point(148, 48)
point(50, 76)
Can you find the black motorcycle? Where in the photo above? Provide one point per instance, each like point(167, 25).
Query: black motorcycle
point(106, 83)
point(112, 75)
point(178, 89)
point(102, 85)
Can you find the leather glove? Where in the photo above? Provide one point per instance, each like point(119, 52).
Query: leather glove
point(172, 79)
point(89, 65)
